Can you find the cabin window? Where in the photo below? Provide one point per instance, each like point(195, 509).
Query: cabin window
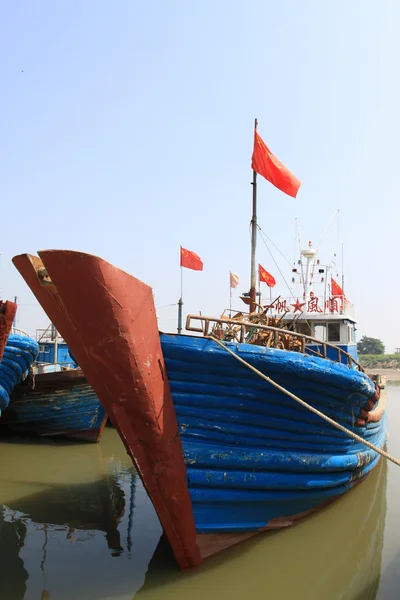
point(350, 334)
point(303, 328)
point(320, 332)
point(333, 332)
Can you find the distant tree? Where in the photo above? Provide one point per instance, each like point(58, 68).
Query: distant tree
point(369, 345)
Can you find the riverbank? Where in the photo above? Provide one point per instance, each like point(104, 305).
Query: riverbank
point(391, 375)
point(380, 361)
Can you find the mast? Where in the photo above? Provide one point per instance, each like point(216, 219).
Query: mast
point(253, 271)
point(15, 318)
point(309, 254)
point(180, 304)
point(342, 270)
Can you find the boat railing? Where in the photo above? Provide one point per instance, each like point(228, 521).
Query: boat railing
point(46, 336)
point(281, 338)
point(19, 331)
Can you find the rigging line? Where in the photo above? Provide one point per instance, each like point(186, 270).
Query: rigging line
point(166, 305)
point(336, 213)
point(275, 246)
point(276, 264)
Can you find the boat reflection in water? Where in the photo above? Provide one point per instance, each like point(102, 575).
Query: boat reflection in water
point(336, 554)
point(75, 522)
point(66, 516)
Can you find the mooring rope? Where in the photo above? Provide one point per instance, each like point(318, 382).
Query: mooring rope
point(353, 435)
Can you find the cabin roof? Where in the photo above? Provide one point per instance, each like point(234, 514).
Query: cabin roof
point(320, 317)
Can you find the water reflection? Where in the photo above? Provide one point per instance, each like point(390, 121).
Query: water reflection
point(13, 573)
point(75, 522)
point(67, 521)
point(336, 554)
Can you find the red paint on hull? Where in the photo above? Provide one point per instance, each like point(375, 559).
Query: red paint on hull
point(7, 313)
point(88, 299)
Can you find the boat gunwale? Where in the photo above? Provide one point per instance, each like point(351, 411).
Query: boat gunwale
point(249, 325)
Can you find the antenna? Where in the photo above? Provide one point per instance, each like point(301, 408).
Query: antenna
point(342, 269)
point(299, 241)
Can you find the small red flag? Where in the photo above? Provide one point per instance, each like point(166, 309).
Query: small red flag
point(234, 279)
point(266, 277)
point(336, 289)
point(266, 164)
point(190, 260)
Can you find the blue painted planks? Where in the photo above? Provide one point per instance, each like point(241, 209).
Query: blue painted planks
point(19, 354)
point(76, 409)
point(252, 453)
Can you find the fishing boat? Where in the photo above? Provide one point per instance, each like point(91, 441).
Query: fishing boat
point(58, 403)
point(42, 389)
point(55, 398)
point(247, 427)
point(52, 397)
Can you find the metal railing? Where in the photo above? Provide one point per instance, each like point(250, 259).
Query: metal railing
point(241, 328)
point(19, 331)
point(48, 335)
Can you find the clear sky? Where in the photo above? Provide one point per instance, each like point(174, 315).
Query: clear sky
point(127, 130)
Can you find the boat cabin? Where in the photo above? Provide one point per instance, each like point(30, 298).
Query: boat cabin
point(328, 317)
point(335, 329)
point(54, 354)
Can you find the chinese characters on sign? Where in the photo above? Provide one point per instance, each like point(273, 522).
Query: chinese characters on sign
point(314, 305)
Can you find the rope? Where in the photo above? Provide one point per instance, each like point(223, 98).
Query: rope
point(275, 246)
point(353, 435)
point(273, 258)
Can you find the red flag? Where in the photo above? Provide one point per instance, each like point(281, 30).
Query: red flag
point(267, 165)
point(234, 279)
point(266, 277)
point(190, 260)
point(336, 289)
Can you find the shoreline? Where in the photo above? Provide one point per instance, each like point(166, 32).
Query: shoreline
point(391, 375)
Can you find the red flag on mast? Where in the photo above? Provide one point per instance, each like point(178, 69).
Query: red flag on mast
point(190, 260)
point(267, 165)
point(266, 277)
point(336, 289)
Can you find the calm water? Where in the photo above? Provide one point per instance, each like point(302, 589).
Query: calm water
point(75, 524)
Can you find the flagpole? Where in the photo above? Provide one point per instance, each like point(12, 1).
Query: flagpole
point(253, 276)
point(180, 305)
point(230, 295)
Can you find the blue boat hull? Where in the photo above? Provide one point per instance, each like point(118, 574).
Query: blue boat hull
point(74, 412)
point(255, 458)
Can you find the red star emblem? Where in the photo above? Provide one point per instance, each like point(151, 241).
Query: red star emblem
point(298, 305)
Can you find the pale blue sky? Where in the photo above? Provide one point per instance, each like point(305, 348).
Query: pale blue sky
point(130, 129)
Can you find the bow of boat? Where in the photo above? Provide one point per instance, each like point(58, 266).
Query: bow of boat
point(108, 319)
